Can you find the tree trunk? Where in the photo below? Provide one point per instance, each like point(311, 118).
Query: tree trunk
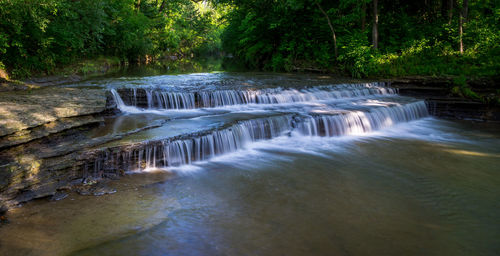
point(463, 17)
point(375, 24)
point(331, 28)
point(363, 16)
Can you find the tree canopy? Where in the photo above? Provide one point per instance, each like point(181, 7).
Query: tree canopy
point(361, 38)
point(383, 37)
point(39, 35)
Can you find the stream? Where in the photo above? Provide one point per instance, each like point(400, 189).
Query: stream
point(273, 164)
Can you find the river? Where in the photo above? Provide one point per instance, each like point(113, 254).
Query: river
point(270, 164)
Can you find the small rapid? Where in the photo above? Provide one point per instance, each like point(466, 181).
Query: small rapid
point(230, 120)
point(159, 99)
point(358, 122)
point(204, 145)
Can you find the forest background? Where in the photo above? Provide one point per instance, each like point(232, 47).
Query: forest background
point(366, 38)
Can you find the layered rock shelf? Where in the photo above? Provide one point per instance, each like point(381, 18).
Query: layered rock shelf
point(442, 103)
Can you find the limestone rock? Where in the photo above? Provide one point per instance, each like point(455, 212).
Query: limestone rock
point(20, 110)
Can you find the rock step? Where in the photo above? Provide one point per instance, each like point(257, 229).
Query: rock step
point(162, 99)
point(203, 145)
point(455, 108)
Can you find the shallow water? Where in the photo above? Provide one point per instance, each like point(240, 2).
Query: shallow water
point(425, 187)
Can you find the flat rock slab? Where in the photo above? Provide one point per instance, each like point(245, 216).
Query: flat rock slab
point(20, 110)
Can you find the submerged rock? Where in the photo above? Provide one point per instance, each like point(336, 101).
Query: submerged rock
point(58, 196)
point(84, 191)
point(99, 191)
point(95, 189)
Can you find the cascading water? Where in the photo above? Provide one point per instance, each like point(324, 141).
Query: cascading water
point(206, 145)
point(201, 147)
point(118, 100)
point(358, 122)
point(158, 99)
point(355, 109)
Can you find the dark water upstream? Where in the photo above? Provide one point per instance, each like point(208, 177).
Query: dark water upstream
point(275, 165)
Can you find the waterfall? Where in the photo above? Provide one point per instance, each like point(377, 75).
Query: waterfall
point(358, 122)
point(369, 113)
point(120, 104)
point(157, 99)
point(203, 146)
point(118, 100)
point(186, 151)
point(175, 100)
point(197, 148)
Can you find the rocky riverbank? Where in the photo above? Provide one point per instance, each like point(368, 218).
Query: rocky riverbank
point(45, 142)
point(39, 138)
point(442, 102)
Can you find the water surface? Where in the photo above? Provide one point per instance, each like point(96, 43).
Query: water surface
point(423, 187)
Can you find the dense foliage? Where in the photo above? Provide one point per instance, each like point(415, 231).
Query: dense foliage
point(414, 37)
point(43, 34)
point(359, 37)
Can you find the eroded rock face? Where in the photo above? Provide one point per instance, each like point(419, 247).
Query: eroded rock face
point(134, 98)
point(56, 162)
point(40, 136)
point(46, 159)
point(441, 103)
point(452, 108)
point(46, 129)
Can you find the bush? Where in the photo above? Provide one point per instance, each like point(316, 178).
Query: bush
point(357, 55)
